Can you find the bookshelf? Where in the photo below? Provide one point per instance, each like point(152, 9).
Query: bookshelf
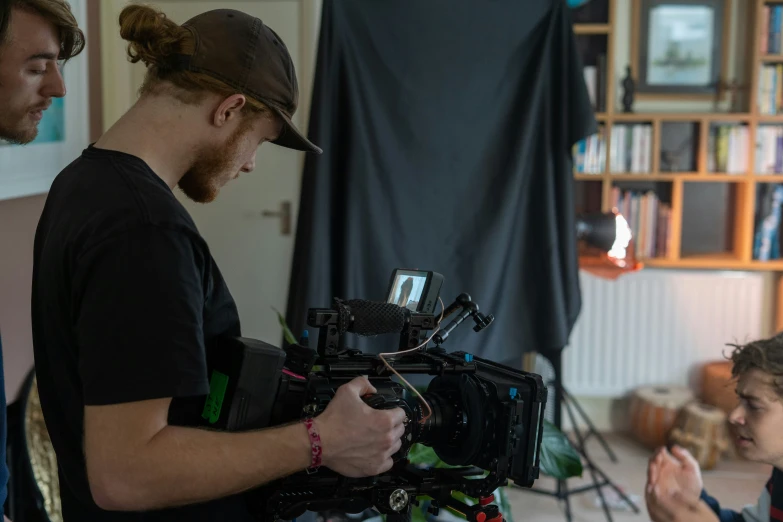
point(675, 166)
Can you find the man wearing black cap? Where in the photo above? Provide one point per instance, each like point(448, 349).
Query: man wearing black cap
point(127, 298)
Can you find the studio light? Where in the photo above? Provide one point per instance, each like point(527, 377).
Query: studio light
point(606, 245)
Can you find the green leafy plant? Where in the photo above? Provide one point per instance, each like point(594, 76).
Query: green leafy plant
point(558, 457)
point(289, 335)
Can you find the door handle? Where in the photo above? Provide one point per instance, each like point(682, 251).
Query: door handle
point(284, 214)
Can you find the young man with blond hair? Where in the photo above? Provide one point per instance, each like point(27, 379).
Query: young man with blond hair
point(675, 491)
point(36, 37)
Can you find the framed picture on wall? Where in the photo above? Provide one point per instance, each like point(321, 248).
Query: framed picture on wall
point(679, 47)
point(27, 170)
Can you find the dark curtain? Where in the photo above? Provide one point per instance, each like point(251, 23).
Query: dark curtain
point(447, 130)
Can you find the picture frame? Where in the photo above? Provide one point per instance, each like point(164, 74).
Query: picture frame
point(63, 133)
point(680, 49)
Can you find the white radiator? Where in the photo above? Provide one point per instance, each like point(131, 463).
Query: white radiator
point(657, 326)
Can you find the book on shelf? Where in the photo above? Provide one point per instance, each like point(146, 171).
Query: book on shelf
point(767, 238)
point(769, 149)
point(649, 218)
point(591, 81)
point(770, 89)
point(590, 154)
point(595, 79)
point(771, 23)
point(630, 148)
point(727, 148)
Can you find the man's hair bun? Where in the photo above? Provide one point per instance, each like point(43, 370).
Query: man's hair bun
point(153, 37)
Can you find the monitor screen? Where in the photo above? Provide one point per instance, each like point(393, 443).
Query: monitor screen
point(407, 289)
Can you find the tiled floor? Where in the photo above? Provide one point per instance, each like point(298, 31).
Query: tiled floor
point(734, 483)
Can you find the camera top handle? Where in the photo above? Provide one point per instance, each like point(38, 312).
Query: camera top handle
point(366, 318)
point(375, 318)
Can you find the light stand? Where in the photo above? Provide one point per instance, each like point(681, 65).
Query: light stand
point(600, 479)
point(606, 250)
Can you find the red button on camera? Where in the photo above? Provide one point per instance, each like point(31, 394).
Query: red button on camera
point(487, 500)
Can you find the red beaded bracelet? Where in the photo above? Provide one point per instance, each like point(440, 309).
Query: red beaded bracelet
point(315, 445)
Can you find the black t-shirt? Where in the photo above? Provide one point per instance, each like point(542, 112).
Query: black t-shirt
point(126, 296)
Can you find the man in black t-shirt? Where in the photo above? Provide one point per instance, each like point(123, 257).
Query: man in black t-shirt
point(126, 296)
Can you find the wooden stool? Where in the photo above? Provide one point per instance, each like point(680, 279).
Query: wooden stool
point(701, 429)
point(653, 411)
point(717, 386)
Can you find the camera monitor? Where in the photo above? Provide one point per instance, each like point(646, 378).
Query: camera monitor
point(416, 290)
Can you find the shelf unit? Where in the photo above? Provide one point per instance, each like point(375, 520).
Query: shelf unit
point(680, 188)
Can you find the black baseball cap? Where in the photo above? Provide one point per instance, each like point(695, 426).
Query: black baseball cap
point(244, 53)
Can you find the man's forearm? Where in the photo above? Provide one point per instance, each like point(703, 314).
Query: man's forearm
point(181, 466)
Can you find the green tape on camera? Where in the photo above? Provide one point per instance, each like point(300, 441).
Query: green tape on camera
point(217, 392)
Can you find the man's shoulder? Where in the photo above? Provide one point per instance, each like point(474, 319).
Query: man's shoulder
point(775, 484)
point(103, 195)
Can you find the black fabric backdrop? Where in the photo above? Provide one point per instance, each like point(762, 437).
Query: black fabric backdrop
point(447, 129)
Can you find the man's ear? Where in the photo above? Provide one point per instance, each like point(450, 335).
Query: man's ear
point(229, 110)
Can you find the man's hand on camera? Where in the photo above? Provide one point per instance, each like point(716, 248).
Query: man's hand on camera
point(357, 440)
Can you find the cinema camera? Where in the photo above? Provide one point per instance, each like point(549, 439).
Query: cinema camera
point(482, 419)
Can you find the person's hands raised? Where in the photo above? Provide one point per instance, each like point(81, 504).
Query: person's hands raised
point(675, 471)
point(357, 440)
point(670, 472)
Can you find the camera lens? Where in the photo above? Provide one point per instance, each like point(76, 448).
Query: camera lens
point(455, 428)
point(445, 425)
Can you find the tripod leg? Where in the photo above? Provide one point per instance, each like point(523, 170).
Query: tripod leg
point(595, 469)
point(561, 494)
point(562, 485)
point(618, 490)
point(567, 396)
point(561, 396)
point(567, 501)
point(589, 462)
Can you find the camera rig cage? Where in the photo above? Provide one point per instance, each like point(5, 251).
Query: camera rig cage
point(485, 420)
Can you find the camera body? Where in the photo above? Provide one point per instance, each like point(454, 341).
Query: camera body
point(482, 419)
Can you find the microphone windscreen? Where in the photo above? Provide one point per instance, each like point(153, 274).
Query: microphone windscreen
point(372, 317)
